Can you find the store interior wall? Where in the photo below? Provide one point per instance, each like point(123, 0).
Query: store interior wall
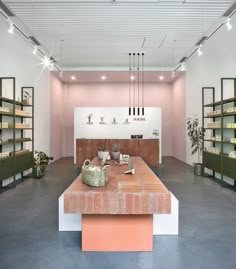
point(115, 95)
point(56, 117)
point(178, 119)
point(17, 60)
point(218, 61)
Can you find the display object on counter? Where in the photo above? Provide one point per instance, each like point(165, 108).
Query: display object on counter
point(93, 175)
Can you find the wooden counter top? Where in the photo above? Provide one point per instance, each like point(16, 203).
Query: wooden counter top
point(141, 193)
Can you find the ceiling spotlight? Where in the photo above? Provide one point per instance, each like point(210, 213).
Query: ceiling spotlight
point(46, 61)
point(228, 24)
point(103, 77)
point(11, 29)
point(183, 67)
point(35, 50)
point(161, 77)
point(199, 52)
point(132, 77)
point(173, 74)
point(73, 77)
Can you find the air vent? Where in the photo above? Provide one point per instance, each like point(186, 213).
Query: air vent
point(6, 10)
point(183, 59)
point(201, 40)
point(34, 40)
point(230, 10)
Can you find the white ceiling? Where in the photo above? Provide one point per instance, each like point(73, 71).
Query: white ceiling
point(99, 34)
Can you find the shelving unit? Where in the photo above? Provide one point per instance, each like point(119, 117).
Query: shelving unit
point(219, 122)
point(16, 130)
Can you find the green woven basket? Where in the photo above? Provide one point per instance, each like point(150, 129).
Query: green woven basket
point(93, 175)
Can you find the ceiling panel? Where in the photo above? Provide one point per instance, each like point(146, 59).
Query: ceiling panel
point(92, 34)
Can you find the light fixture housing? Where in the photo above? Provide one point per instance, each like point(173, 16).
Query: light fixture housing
point(73, 77)
point(103, 77)
point(161, 77)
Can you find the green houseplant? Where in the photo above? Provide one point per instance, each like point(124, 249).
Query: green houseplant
point(41, 161)
point(196, 135)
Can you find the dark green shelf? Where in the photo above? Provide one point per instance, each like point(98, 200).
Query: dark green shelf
point(10, 143)
point(11, 115)
point(224, 142)
point(220, 115)
point(225, 101)
point(10, 101)
point(15, 128)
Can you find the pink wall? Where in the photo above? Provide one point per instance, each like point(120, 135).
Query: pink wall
point(115, 94)
point(56, 118)
point(179, 119)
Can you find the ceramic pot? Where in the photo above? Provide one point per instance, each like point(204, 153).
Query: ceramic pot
point(38, 171)
point(115, 155)
point(198, 169)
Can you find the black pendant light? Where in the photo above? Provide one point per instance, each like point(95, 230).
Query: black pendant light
point(129, 84)
point(138, 69)
point(134, 82)
point(143, 84)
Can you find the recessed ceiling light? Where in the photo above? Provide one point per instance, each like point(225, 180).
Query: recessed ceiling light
point(73, 77)
point(161, 77)
point(103, 77)
point(132, 77)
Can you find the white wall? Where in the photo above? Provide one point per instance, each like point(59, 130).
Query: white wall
point(17, 60)
point(218, 60)
point(179, 119)
point(57, 118)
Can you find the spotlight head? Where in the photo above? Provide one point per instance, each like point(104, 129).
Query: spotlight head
point(46, 61)
point(199, 51)
point(228, 24)
point(11, 29)
point(35, 50)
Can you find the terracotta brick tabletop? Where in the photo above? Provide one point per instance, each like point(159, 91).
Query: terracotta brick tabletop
point(141, 193)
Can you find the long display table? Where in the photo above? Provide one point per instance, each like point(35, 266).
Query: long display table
point(119, 216)
point(148, 149)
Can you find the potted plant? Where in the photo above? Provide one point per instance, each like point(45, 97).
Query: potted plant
point(41, 161)
point(115, 152)
point(26, 98)
point(196, 135)
point(101, 152)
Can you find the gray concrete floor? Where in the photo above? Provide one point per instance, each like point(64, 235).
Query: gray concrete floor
point(29, 238)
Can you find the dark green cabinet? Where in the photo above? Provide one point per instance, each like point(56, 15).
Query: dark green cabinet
point(16, 129)
point(219, 122)
point(6, 167)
